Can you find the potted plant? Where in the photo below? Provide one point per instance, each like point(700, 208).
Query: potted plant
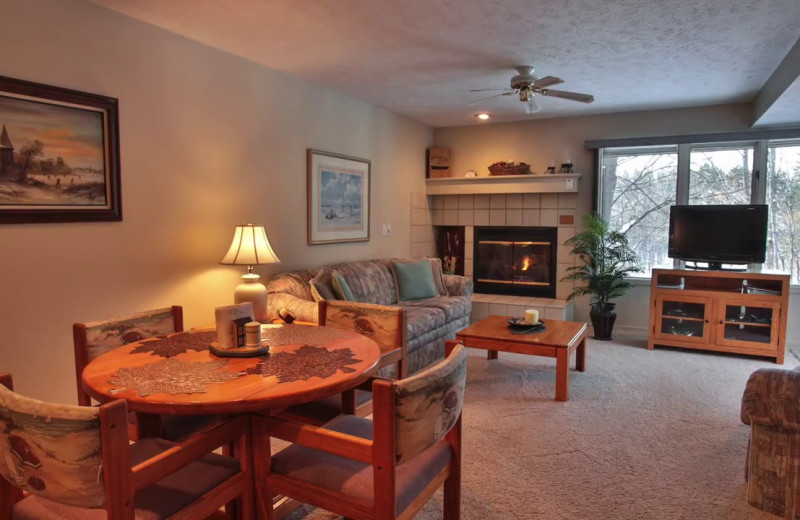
point(606, 261)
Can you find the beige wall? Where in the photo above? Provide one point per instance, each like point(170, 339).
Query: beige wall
point(542, 141)
point(208, 141)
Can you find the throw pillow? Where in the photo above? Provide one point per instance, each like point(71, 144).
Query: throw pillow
point(341, 288)
point(321, 286)
point(414, 280)
point(438, 276)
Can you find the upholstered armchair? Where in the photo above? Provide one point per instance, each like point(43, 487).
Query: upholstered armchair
point(384, 325)
point(381, 469)
point(62, 462)
point(771, 406)
point(91, 340)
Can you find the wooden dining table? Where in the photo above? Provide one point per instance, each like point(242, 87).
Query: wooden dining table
point(177, 374)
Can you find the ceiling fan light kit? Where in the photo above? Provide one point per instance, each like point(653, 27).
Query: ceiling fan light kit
point(527, 87)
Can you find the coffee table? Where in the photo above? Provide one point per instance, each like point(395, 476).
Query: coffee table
point(559, 340)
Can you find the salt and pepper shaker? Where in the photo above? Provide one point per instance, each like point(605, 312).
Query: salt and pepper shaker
point(252, 332)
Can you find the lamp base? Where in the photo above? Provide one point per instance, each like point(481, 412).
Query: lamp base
point(253, 291)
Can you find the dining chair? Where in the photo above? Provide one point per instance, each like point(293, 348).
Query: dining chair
point(91, 340)
point(387, 327)
point(62, 462)
point(380, 469)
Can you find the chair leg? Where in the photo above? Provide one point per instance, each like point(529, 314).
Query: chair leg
point(452, 496)
point(452, 485)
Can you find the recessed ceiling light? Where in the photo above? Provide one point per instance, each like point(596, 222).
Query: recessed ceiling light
point(483, 116)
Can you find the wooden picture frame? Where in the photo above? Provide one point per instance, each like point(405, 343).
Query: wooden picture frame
point(59, 154)
point(338, 198)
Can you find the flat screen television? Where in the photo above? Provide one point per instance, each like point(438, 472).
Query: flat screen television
point(730, 234)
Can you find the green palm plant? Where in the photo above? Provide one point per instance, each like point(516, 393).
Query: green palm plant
point(606, 262)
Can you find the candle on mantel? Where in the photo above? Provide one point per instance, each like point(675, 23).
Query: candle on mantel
point(531, 316)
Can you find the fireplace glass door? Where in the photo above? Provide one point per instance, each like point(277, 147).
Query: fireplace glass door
point(522, 265)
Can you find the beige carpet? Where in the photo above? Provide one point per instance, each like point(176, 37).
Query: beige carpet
point(645, 435)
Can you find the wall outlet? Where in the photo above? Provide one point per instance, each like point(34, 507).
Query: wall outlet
point(569, 184)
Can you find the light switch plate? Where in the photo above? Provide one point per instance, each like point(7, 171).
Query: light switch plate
point(569, 184)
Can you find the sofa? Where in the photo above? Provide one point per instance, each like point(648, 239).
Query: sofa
point(430, 321)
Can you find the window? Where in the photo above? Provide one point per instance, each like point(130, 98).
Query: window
point(783, 197)
point(638, 188)
point(720, 175)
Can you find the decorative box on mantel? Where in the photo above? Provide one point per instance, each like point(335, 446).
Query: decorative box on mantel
point(542, 183)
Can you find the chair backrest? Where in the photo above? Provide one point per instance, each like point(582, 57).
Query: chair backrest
point(428, 404)
point(384, 325)
point(96, 338)
point(51, 450)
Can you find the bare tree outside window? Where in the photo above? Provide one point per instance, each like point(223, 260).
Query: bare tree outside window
point(783, 197)
point(721, 176)
point(638, 190)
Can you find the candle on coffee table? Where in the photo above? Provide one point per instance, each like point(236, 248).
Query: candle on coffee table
point(531, 316)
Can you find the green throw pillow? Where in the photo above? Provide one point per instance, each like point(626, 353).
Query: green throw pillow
point(414, 280)
point(341, 288)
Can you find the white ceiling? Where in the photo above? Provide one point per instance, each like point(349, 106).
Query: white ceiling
point(420, 58)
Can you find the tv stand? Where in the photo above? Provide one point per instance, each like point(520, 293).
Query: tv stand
point(724, 311)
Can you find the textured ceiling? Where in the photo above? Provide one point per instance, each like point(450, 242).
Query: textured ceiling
point(420, 57)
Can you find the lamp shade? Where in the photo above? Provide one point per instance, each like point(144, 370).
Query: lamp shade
point(250, 246)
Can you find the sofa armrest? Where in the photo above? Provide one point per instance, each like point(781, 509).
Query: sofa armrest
point(303, 310)
point(458, 285)
point(771, 399)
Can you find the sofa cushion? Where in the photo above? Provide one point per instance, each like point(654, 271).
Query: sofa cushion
point(438, 276)
point(341, 288)
point(321, 286)
point(422, 319)
point(295, 283)
point(370, 281)
point(454, 307)
point(414, 280)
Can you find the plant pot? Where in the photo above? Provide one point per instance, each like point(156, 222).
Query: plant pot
point(603, 321)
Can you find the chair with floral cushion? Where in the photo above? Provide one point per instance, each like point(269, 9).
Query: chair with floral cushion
point(771, 406)
point(380, 469)
point(62, 462)
point(91, 340)
point(387, 327)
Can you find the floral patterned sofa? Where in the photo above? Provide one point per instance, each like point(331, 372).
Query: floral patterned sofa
point(430, 321)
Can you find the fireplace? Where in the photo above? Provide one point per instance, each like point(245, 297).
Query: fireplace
point(519, 261)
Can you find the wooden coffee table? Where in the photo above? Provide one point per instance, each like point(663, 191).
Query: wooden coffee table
point(559, 340)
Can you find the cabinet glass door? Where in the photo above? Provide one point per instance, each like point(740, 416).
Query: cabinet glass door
point(745, 323)
point(684, 319)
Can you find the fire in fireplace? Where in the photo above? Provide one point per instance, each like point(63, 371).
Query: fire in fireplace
point(515, 260)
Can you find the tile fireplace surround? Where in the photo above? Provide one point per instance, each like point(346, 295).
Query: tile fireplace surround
point(530, 209)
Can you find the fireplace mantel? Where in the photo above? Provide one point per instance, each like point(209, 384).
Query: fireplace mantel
point(542, 183)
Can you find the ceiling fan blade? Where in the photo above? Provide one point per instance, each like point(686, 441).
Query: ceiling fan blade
point(547, 81)
point(491, 89)
point(490, 97)
point(532, 106)
point(574, 96)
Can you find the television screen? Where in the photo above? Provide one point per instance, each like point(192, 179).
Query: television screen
point(734, 234)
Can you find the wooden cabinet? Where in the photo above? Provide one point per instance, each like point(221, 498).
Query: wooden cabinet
point(743, 313)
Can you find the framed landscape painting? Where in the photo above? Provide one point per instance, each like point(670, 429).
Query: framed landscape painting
point(59, 154)
point(338, 198)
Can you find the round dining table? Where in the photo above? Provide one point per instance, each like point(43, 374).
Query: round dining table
point(177, 374)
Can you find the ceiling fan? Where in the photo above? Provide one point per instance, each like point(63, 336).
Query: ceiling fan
point(528, 86)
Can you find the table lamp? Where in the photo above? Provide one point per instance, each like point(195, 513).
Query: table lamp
point(250, 246)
